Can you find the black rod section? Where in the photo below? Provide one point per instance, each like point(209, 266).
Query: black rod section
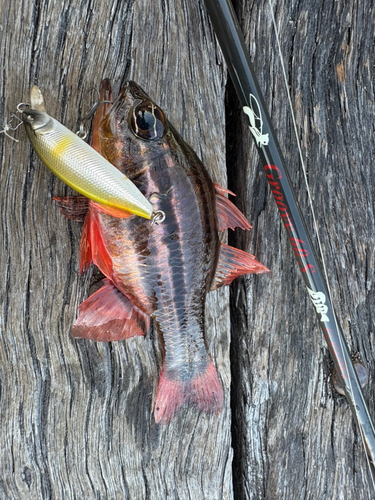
point(232, 44)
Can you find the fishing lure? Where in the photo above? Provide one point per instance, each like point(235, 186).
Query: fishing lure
point(165, 271)
point(79, 165)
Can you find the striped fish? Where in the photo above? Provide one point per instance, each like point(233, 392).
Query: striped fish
point(164, 271)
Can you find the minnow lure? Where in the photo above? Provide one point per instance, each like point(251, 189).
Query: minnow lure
point(165, 271)
point(79, 165)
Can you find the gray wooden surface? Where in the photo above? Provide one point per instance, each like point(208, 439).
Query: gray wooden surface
point(294, 436)
point(76, 416)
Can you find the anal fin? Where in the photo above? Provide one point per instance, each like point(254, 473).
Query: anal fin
point(108, 315)
point(233, 263)
point(229, 216)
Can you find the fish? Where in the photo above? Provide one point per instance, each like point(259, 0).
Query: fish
point(78, 165)
point(161, 272)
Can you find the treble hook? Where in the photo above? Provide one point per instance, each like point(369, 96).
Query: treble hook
point(8, 126)
point(82, 131)
point(25, 104)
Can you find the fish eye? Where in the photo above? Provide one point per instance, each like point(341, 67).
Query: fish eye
point(30, 118)
point(147, 121)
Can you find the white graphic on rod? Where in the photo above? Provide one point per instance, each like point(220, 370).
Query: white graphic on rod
point(319, 300)
point(254, 116)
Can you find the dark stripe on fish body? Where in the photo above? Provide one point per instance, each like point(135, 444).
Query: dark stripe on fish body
point(181, 300)
point(177, 328)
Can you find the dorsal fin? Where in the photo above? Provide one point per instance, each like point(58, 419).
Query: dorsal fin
point(107, 315)
point(227, 213)
point(76, 207)
point(72, 207)
point(232, 263)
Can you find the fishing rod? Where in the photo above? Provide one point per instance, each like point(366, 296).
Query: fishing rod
point(232, 43)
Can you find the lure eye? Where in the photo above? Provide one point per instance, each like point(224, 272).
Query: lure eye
point(147, 121)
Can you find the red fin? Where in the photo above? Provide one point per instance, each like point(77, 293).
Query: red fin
point(221, 190)
point(204, 391)
point(232, 263)
point(115, 212)
point(227, 213)
point(92, 248)
point(85, 250)
point(72, 207)
point(108, 315)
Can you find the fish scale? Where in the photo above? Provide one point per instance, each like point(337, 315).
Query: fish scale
point(165, 271)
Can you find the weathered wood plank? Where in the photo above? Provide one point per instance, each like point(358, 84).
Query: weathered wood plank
point(77, 415)
point(295, 437)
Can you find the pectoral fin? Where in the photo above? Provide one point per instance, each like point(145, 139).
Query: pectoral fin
point(92, 247)
point(108, 315)
point(232, 263)
point(227, 213)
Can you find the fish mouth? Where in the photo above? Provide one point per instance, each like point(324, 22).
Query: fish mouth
point(129, 93)
point(136, 91)
point(129, 89)
point(129, 96)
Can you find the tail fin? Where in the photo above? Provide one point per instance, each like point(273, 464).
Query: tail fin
point(203, 390)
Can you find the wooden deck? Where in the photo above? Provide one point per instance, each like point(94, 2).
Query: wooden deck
point(76, 416)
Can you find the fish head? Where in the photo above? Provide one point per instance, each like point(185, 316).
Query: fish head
point(133, 129)
point(36, 122)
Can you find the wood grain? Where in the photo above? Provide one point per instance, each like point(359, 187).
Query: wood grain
point(76, 416)
point(294, 435)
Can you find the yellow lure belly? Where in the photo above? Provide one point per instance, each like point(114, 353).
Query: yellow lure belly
point(80, 166)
